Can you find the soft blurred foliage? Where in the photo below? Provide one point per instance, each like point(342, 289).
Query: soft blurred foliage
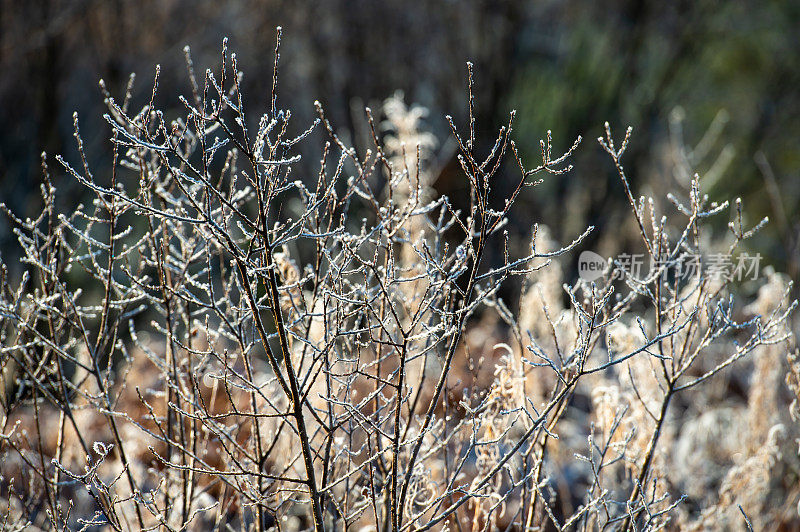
point(670, 69)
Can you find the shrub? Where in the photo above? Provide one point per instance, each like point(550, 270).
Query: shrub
point(215, 341)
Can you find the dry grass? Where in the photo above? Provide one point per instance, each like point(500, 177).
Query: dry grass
point(215, 342)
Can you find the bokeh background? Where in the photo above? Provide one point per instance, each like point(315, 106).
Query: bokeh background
point(708, 86)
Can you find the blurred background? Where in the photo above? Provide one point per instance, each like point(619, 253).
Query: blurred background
point(708, 86)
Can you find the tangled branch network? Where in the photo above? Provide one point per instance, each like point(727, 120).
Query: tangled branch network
point(215, 341)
